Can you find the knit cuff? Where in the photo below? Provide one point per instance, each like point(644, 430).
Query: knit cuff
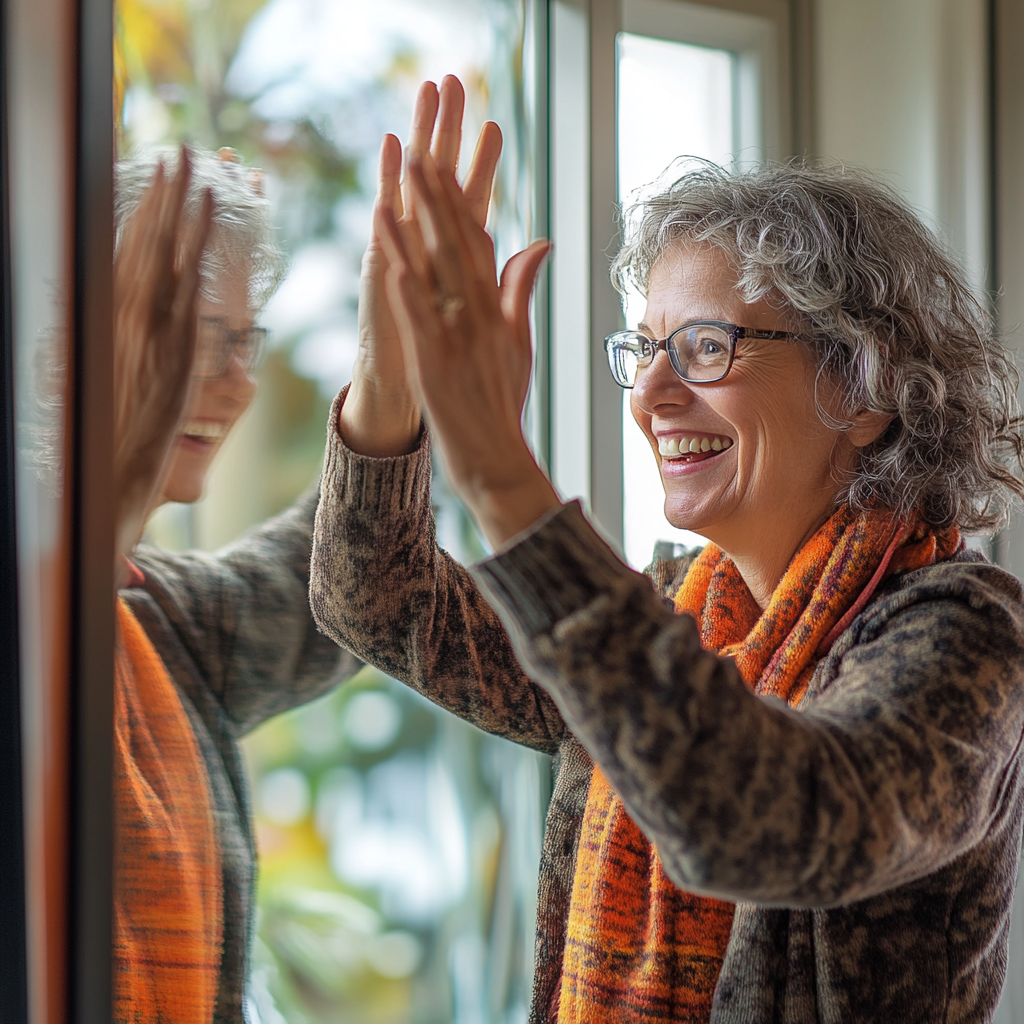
point(550, 571)
point(365, 483)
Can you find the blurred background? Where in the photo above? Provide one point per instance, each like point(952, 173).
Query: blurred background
point(398, 845)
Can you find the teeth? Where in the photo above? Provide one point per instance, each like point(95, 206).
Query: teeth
point(205, 428)
point(670, 446)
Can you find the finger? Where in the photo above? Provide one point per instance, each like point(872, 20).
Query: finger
point(389, 177)
point(194, 243)
point(166, 232)
point(443, 248)
point(448, 133)
point(424, 115)
point(147, 205)
point(420, 329)
point(479, 182)
point(392, 241)
point(386, 225)
point(416, 251)
point(182, 180)
point(476, 239)
point(517, 283)
point(137, 237)
point(149, 259)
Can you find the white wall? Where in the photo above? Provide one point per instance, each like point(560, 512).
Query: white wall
point(901, 90)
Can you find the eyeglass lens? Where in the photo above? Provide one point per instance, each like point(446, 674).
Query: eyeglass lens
point(700, 353)
point(217, 343)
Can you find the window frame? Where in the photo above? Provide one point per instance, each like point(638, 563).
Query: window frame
point(584, 437)
point(57, 684)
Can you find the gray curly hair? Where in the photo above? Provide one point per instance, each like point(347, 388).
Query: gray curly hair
point(894, 324)
point(241, 217)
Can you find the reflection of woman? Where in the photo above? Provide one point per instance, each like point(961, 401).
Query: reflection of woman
point(798, 798)
point(210, 644)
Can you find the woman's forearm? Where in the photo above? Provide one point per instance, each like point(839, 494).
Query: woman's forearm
point(743, 797)
point(381, 588)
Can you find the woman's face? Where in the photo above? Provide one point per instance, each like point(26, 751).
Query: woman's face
point(772, 482)
point(215, 404)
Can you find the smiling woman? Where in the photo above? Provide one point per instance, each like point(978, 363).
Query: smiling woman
point(772, 480)
point(808, 758)
point(208, 646)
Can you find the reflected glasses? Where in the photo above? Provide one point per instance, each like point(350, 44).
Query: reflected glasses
point(217, 343)
point(701, 351)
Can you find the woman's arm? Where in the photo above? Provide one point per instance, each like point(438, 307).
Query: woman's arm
point(894, 771)
point(243, 615)
point(380, 585)
point(382, 588)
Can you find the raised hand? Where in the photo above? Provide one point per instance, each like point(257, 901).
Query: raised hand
point(381, 416)
point(156, 283)
point(466, 345)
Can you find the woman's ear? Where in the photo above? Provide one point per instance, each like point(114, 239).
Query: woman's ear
point(867, 427)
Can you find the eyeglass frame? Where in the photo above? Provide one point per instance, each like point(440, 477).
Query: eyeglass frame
point(255, 342)
point(734, 332)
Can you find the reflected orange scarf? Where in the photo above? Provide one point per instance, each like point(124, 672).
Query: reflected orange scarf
point(639, 949)
point(167, 873)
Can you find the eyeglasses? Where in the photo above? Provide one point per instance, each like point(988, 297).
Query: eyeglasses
point(216, 344)
point(701, 351)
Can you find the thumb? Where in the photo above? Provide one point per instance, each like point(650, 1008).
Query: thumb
point(517, 283)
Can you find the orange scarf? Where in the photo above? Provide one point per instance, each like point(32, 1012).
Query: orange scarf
point(639, 949)
point(167, 874)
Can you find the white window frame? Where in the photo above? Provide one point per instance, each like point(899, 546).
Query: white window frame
point(583, 446)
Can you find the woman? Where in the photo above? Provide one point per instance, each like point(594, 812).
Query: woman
point(211, 645)
point(794, 796)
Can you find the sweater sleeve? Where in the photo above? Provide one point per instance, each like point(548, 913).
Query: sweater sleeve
point(243, 615)
point(383, 589)
point(900, 765)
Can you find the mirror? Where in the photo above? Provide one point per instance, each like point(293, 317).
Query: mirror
point(398, 846)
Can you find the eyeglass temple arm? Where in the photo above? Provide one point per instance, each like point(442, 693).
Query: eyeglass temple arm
point(755, 332)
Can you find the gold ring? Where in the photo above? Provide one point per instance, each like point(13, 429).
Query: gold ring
point(449, 305)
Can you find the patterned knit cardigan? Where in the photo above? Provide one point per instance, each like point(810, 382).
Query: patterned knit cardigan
point(234, 631)
point(870, 838)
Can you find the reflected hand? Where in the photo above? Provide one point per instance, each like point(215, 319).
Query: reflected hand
point(156, 283)
point(380, 416)
point(466, 344)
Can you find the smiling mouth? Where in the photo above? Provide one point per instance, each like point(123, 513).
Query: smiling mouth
point(693, 447)
point(204, 431)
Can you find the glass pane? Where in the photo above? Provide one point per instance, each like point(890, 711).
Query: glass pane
point(673, 100)
point(398, 845)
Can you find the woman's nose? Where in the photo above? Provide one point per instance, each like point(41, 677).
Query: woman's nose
point(658, 384)
point(236, 381)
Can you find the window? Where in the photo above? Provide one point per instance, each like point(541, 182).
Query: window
point(701, 83)
point(727, 72)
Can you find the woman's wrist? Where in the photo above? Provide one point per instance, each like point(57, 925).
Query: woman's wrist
point(377, 421)
point(505, 506)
